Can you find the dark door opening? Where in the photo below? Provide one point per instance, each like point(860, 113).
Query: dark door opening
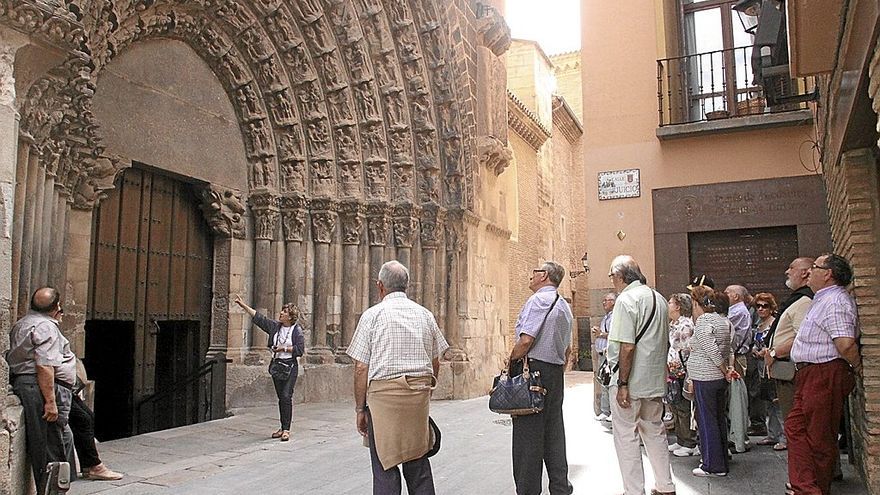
point(178, 358)
point(109, 361)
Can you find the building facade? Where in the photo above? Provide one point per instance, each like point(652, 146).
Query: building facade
point(688, 167)
point(837, 42)
point(159, 158)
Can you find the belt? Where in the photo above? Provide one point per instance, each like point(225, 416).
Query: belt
point(32, 378)
point(800, 366)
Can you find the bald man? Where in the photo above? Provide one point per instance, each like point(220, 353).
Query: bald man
point(42, 371)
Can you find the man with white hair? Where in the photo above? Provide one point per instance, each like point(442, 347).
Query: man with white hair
point(396, 348)
point(637, 349)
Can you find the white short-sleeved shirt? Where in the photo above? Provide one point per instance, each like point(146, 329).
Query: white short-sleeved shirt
point(397, 337)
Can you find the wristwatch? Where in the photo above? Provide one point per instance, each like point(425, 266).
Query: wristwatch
point(622, 383)
point(773, 353)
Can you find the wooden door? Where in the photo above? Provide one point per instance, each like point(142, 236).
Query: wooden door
point(151, 264)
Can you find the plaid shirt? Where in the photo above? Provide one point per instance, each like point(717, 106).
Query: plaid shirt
point(397, 337)
point(832, 315)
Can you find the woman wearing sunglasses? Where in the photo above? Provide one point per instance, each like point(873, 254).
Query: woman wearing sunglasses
point(766, 306)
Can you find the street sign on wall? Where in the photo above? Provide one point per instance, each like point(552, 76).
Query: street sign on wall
point(617, 184)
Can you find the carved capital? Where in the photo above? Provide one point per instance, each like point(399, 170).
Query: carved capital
point(433, 218)
point(264, 205)
point(92, 179)
point(493, 154)
point(406, 224)
point(493, 29)
point(377, 222)
point(351, 214)
point(223, 209)
point(294, 210)
point(324, 218)
point(455, 233)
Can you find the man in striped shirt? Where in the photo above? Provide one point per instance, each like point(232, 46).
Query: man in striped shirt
point(826, 355)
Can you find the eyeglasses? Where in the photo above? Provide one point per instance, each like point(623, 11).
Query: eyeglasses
point(814, 266)
point(762, 306)
point(538, 271)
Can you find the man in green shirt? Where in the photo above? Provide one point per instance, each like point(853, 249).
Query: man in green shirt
point(637, 348)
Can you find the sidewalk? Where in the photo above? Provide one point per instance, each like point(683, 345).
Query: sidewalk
point(325, 456)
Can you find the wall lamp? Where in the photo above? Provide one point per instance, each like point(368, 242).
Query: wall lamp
point(585, 264)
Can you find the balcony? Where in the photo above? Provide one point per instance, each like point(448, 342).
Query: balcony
point(712, 92)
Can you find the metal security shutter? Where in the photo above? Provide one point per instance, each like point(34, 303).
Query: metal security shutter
point(754, 258)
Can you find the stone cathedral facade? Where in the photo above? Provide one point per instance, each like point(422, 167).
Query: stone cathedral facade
point(159, 157)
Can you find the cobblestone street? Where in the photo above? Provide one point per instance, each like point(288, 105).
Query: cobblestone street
point(325, 455)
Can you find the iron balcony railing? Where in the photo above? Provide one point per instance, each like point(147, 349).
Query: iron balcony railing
point(718, 85)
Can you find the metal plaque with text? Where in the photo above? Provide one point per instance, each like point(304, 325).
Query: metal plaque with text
point(618, 184)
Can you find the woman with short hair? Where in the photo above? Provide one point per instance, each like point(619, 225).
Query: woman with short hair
point(766, 306)
point(709, 368)
point(287, 343)
point(681, 330)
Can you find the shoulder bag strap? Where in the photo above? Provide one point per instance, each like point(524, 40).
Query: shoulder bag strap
point(645, 327)
point(526, 357)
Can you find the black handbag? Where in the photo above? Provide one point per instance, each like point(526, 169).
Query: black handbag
point(279, 369)
point(522, 394)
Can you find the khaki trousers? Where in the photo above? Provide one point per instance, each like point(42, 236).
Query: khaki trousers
point(643, 418)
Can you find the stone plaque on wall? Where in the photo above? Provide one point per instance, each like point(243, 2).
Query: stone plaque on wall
point(618, 184)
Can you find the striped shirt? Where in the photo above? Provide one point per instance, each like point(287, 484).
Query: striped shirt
point(832, 315)
point(710, 348)
point(551, 341)
point(397, 337)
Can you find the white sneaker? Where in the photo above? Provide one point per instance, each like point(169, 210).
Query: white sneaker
point(686, 452)
point(602, 417)
point(674, 447)
point(667, 417)
point(703, 474)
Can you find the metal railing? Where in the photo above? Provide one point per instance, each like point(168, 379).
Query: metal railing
point(717, 85)
point(158, 411)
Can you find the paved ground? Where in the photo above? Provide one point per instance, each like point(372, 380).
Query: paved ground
point(325, 456)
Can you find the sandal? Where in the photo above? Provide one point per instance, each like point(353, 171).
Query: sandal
point(766, 441)
point(780, 447)
point(278, 433)
point(285, 436)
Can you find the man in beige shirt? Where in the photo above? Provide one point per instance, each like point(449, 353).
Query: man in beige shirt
point(781, 335)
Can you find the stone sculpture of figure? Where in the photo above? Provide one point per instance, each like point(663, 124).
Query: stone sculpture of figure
point(376, 179)
point(357, 61)
point(290, 144)
point(233, 68)
point(317, 36)
point(340, 109)
point(330, 68)
point(281, 108)
point(259, 137)
point(297, 57)
point(394, 106)
point(400, 146)
point(346, 144)
point(247, 97)
point(309, 9)
point(294, 175)
point(422, 118)
point(282, 27)
point(399, 12)
point(309, 99)
point(256, 44)
point(367, 101)
point(373, 141)
point(318, 138)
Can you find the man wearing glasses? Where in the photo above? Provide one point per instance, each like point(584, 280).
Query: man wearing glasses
point(826, 356)
point(43, 371)
point(539, 439)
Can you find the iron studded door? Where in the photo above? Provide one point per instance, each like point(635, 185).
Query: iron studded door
point(151, 263)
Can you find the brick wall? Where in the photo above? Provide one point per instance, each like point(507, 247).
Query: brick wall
point(852, 192)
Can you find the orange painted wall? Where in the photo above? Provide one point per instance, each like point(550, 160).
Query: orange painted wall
point(619, 61)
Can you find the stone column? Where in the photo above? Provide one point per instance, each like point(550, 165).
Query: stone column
point(323, 213)
point(21, 171)
point(39, 199)
point(351, 216)
point(433, 217)
point(293, 223)
point(10, 42)
point(27, 239)
point(406, 228)
point(265, 209)
point(455, 238)
point(223, 210)
point(377, 227)
point(57, 265)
